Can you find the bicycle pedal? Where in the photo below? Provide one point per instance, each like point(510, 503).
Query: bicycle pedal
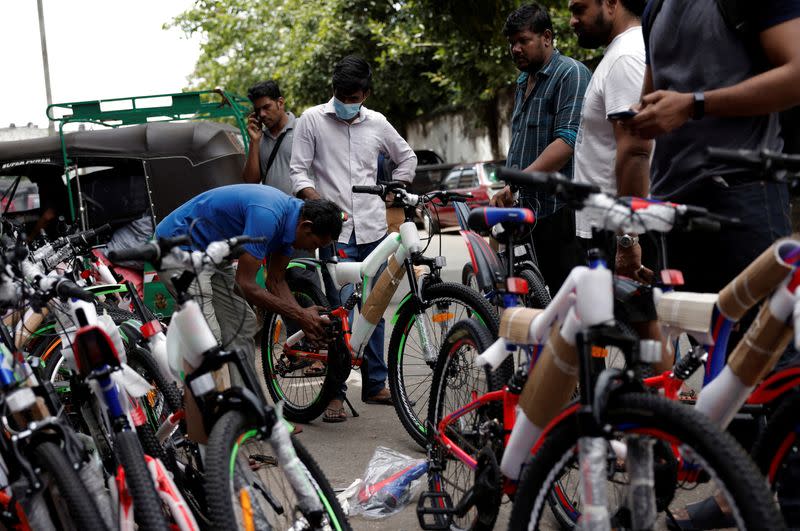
point(435, 511)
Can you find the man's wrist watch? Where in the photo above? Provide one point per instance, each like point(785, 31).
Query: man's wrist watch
point(626, 241)
point(698, 106)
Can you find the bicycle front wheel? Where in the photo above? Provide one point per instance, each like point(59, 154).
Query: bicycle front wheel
point(246, 486)
point(410, 373)
point(720, 468)
point(457, 380)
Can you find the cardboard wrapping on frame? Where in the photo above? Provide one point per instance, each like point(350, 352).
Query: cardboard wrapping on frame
point(760, 348)
point(515, 324)
point(753, 284)
point(549, 388)
point(687, 311)
point(195, 427)
point(37, 411)
point(11, 319)
point(30, 325)
point(382, 292)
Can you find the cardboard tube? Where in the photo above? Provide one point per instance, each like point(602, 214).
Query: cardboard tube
point(30, 325)
point(755, 282)
point(553, 381)
point(11, 319)
point(515, 324)
point(382, 293)
point(196, 430)
point(760, 348)
point(687, 311)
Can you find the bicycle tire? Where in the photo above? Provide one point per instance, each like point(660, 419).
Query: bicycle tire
point(449, 373)
point(720, 455)
point(468, 277)
point(306, 400)
point(538, 296)
point(79, 503)
point(142, 360)
point(147, 511)
point(232, 432)
point(411, 398)
point(775, 452)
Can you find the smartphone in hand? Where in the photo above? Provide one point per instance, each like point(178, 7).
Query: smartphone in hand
point(622, 115)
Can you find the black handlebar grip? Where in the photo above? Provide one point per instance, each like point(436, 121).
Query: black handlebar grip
point(522, 178)
point(242, 240)
point(65, 288)
point(738, 157)
point(375, 189)
point(148, 253)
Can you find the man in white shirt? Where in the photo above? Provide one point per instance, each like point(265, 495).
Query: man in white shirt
point(336, 146)
point(605, 153)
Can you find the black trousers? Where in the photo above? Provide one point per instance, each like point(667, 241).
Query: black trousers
point(557, 247)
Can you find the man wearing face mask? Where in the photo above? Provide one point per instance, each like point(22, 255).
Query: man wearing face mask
point(336, 146)
point(544, 125)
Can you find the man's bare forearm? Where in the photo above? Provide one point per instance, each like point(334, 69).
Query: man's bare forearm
point(277, 301)
point(308, 193)
point(553, 158)
point(252, 167)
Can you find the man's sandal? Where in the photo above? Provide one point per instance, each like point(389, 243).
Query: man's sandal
point(334, 415)
point(706, 514)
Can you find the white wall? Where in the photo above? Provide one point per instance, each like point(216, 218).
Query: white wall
point(453, 135)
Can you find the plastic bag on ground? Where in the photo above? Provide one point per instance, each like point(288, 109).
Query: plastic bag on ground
point(391, 481)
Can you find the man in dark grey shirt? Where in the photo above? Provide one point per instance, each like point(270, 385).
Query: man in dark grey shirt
point(271, 128)
point(708, 85)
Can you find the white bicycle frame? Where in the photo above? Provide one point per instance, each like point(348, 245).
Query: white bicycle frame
point(396, 248)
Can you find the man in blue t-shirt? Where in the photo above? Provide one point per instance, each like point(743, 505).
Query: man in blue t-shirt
point(254, 210)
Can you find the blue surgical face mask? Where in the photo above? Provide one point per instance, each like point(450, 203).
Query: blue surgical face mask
point(346, 111)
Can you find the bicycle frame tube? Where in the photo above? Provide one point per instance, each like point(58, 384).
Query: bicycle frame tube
point(482, 400)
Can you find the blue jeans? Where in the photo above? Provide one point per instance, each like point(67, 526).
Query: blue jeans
point(373, 352)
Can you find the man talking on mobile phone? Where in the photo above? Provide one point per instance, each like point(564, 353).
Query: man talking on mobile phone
point(271, 129)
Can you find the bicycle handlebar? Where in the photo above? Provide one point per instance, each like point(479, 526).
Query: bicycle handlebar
point(149, 252)
point(376, 189)
point(759, 160)
point(68, 289)
point(552, 182)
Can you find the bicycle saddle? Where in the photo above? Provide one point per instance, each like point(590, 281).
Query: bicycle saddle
point(483, 219)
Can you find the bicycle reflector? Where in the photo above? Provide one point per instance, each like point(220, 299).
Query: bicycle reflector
point(672, 277)
point(517, 285)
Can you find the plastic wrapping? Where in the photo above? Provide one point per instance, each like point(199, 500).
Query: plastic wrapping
point(293, 468)
point(641, 492)
point(91, 474)
point(391, 481)
point(593, 452)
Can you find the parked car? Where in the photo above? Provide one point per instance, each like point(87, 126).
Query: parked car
point(478, 179)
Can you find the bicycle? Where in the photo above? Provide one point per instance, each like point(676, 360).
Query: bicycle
point(253, 473)
point(421, 320)
point(591, 429)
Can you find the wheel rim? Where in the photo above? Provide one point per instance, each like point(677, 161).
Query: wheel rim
point(464, 379)
point(261, 493)
point(289, 380)
point(414, 373)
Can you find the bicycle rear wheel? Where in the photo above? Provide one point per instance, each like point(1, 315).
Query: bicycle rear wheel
point(246, 486)
point(304, 386)
point(719, 463)
point(457, 380)
point(410, 374)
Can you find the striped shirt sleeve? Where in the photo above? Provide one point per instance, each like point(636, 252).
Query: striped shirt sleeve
point(569, 102)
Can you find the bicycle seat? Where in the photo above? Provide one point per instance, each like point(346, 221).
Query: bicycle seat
point(483, 219)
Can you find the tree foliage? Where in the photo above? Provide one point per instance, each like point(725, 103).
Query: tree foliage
point(427, 55)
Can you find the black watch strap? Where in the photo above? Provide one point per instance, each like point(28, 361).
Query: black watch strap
point(699, 106)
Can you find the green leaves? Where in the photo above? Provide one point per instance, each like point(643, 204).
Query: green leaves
point(427, 55)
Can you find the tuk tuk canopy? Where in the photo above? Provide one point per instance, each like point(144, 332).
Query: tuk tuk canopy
point(165, 163)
